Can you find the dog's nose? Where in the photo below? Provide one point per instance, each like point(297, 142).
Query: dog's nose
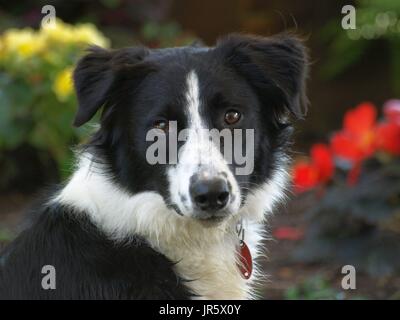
point(209, 194)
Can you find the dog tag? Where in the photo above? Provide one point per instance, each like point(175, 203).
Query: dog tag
point(246, 262)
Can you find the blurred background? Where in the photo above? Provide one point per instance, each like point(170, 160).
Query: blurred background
point(344, 208)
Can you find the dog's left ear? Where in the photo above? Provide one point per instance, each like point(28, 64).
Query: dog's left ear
point(99, 75)
point(276, 67)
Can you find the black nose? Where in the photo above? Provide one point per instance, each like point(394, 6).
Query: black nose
point(209, 194)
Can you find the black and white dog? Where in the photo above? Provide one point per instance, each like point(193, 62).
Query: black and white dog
point(122, 228)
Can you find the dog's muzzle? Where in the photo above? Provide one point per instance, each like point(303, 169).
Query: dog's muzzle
point(210, 195)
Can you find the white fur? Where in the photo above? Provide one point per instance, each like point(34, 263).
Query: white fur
point(264, 198)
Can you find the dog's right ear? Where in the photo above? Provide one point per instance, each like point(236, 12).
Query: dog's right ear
point(97, 76)
point(276, 67)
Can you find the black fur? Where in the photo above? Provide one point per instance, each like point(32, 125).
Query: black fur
point(88, 265)
point(263, 78)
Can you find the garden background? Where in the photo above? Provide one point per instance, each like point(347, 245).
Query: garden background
point(345, 203)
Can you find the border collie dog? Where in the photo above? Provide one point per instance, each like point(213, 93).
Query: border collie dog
point(123, 228)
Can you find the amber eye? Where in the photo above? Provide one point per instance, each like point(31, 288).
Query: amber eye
point(232, 117)
point(161, 124)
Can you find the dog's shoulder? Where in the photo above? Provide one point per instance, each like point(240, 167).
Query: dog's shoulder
point(86, 264)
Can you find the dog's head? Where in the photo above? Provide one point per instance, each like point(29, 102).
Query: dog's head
point(203, 127)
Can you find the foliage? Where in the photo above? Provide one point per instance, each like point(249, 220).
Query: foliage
point(376, 21)
point(316, 288)
point(313, 288)
point(168, 34)
point(5, 235)
point(355, 216)
point(36, 92)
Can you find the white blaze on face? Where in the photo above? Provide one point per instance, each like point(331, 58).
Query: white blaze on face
point(198, 153)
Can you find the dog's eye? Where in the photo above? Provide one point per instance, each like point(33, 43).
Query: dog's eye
point(232, 117)
point(161, 124)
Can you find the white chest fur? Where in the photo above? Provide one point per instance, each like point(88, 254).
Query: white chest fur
point(205, 256)
point(208, 258)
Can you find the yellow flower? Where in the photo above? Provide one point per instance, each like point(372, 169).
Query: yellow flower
point(59, 32)
point(64, 33)
point(25, 42)
point(62, 85)
point(88, 34)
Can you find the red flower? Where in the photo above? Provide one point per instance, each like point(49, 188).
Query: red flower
point(305, 177)
point(343, 147)
point(360, 119)
point(320, 170)
point(359, 138)
point(288, 233)
point(322, 160)
point(356, 141)
point(391, 109)
point(388, 138)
